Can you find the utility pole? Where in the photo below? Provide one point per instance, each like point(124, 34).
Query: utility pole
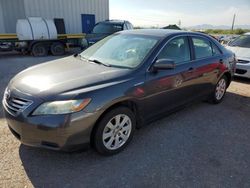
point(233, 22)
point(179, 23)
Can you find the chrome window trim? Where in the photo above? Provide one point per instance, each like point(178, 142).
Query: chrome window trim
point(181, 35)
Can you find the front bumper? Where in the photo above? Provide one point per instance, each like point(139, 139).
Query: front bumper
point(243, 70)
point(58, 132)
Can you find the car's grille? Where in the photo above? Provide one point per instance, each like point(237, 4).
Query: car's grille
point(243, 61)
point(15, 105)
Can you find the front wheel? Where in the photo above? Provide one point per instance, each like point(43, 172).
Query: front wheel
point(219, 91)
point(114, 131)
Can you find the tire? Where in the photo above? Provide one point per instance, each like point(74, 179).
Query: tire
point(57, 49)
point(219, 91)
point(39, 50)
point(117, 138)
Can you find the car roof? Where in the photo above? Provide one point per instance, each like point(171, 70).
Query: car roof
point(114, 21)
point(162, 33)
point(247, 33)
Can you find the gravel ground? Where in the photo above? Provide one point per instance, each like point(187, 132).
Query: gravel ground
point(201, 146)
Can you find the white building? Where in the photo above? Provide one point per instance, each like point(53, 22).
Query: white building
point(79, 15)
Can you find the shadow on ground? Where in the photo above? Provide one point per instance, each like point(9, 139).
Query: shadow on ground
point(201, 146)
point(242, 80)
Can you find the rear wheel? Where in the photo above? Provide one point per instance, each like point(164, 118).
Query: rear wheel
point(114, 131)
point(39, 50)
point(219, 91)
point(57, 49)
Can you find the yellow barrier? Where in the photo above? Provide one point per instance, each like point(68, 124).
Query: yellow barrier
point(7, 36)
point(71, 36)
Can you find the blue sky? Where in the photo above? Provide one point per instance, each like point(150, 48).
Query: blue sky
point(189, 12)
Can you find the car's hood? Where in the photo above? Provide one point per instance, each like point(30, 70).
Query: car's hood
point(64, 75)
point(241, 53)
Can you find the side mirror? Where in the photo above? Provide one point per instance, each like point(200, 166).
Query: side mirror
point(164, 64)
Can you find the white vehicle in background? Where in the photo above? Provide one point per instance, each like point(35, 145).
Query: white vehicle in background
point(241, 47)
point(226, 39)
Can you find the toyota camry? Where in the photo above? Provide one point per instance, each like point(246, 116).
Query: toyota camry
point(100, 96)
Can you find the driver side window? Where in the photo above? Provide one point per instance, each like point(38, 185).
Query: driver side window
point(177, 49)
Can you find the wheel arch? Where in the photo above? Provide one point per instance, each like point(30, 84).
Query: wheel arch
point(229, 77)
point(129, 103)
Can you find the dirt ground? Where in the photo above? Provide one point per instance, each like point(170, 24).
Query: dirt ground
point(203, 145)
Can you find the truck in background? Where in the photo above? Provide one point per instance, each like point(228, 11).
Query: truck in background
point(39, 37)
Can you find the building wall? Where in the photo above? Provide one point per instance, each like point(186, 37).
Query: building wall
point(2, 27)
point(70, 10)
point(11, 11)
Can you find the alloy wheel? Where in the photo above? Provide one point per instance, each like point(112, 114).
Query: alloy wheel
point(117, 132)
point(220, 89)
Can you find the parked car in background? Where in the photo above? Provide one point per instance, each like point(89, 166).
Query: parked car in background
point(241, 47)
point(104, 29)
point(122, 82)
point(225, 39)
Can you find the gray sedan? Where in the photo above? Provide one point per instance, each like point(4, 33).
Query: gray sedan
point(121, 82)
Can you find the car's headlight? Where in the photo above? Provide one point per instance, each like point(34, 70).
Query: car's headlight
point(61, 107)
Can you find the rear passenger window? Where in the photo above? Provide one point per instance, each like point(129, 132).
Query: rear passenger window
point(202, 48)
point(177, 50)
point(216, 50)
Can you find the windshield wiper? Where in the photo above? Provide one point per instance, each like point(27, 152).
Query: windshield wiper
point(92, 60)
point(79, 55)
point(82, 57)
point(99, 62)
point(76, 55)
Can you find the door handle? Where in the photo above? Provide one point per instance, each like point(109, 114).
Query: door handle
point(190, 70)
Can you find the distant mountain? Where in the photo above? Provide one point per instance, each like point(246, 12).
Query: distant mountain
point(207, 26)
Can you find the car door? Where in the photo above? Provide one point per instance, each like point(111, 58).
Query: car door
point(168, 89)
point(206, 65)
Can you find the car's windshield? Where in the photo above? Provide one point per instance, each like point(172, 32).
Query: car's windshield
point(241, 41)
point(107, 28)
point(120, 50)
